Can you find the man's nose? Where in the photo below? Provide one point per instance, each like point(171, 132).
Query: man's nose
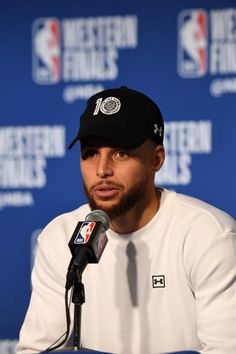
point(104, 167)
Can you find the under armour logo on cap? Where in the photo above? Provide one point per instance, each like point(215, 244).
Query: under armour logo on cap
point(157, 130)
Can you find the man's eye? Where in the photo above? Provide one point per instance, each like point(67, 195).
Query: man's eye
point(122, 155)
point(88, 154)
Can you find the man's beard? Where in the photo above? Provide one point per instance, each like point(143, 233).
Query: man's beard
point(125, 203)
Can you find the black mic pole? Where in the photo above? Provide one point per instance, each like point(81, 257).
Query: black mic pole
point(78, 298)
point(74, 278)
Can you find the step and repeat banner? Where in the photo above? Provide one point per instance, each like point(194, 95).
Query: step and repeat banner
point(56, 54)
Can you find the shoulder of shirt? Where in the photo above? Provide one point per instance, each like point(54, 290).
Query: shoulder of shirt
point(200, 210)
point(63, 225)
point(79, 212)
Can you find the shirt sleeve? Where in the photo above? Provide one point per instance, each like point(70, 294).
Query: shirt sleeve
point(45, 319)
point(213, 281)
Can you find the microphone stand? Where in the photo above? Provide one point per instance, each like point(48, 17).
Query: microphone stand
point(78, 298)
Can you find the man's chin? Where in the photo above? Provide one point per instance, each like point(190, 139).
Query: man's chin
point(118, 205)
point(105, 205)
point(111, 207)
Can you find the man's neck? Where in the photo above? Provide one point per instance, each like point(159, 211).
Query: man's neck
point(138, 216)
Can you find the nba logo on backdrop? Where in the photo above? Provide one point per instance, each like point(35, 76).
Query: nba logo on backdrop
point(46, 51)
point(192, 43)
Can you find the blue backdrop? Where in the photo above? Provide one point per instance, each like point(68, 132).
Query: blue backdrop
point(54, 55)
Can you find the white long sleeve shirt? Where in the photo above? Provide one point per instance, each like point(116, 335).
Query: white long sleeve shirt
point(169, 286)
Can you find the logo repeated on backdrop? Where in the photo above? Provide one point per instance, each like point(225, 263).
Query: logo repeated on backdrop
point(207, 46)
point(192, 49)
point(8, 346)
point(46, 54)
point(182, 139)
point(24, 151)
point(72, 50)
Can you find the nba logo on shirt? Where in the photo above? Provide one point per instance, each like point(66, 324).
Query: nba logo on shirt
point(46, 51)
point(192, 43)
point(84, 232)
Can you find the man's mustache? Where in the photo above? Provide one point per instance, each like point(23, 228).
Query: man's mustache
point(105, 184)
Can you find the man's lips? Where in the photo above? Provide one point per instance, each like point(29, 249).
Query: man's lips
point(107, 191)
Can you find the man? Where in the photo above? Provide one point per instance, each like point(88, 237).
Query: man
point(166, 279)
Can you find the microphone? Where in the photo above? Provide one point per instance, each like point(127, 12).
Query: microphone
point(87, 243)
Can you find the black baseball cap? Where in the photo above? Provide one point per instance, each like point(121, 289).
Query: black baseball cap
point(123, 116)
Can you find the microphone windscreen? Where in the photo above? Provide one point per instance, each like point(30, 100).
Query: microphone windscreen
point(99, 215)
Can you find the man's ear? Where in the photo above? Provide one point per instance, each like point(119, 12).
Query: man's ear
point(158, 158)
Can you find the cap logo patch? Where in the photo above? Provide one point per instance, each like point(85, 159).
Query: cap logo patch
point(109, 106)
point(157, 130)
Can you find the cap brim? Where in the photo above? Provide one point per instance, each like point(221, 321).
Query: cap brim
point(121, 140)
